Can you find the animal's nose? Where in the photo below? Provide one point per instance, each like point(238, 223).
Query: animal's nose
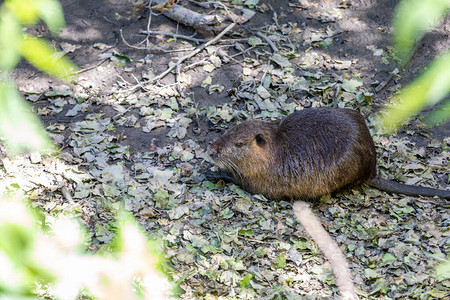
point(212, 150)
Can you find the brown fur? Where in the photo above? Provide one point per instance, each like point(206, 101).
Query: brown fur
point(308, 154)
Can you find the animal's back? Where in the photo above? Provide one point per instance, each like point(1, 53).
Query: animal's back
point(321, 150)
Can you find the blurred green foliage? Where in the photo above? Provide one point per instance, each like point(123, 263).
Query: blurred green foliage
point(20, 128)
point(443, 271)
point(31, 260)
point(413, 18)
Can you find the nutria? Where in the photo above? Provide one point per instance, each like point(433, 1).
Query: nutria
point(308, 154)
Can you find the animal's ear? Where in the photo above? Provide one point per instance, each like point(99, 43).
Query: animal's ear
point(260, 140)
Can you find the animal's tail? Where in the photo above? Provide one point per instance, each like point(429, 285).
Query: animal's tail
point(406, 189)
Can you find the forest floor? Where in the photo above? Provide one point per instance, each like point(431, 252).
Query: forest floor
point(128, 141)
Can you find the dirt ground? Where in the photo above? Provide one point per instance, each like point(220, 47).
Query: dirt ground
point(142, 145)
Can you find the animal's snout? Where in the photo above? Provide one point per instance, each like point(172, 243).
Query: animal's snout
point(213, 150)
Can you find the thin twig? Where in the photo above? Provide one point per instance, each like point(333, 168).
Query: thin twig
point(227, 11)
point(174, 35)
point(137, 81)
point(275, 16)
point(149, 22)
point(234, 40)
point(242, 52)
point(269, 41)
point(177, 81)
point(200, 62)
point(92, 67)
point(155, 49)
point(129, 45)
point(123, 79)
point(101, 62)
point(199, 49)
point(150, 15)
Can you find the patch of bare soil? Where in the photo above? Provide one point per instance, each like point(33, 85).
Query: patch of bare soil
point(129, 141)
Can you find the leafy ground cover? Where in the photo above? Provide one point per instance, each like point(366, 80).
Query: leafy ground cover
point(126, 141)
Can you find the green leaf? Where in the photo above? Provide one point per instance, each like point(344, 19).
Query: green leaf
point(209, 185)
point(226, 213)
point(245, 282)
point(245, 232)
point(401, 211)
point(15, 241)
point(388, 258)
point(103, 234)
point(39, 53)
point(254, 41)
point(430, 88)
point(352, 85)
point(281, 261)
point(437, 294)
point(51, 13)
point(413, 18)
point(379, 287)
point(443, 271)
point(371, 274)
point(281, 60)
point(161, 198)
point(440, 115)
point(24, 10)
point(122, 57)
point(251, 3)
point(178, 211)
point(10, 39)
point(18, 125)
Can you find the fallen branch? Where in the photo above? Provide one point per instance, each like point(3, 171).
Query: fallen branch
point(186, 16)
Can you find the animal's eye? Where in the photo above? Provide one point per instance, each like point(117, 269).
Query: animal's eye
point(239, 144)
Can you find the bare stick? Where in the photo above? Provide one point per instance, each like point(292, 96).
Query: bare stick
point(128, 44)
point(154, 49)
point(174, 35)
point(181, 59)
point(187, 17)
point(329, 247)
point(242, 52)
point(92, 67)
point(200, 62)
point(269, 41)
point(149, 22)
point(227, 11)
